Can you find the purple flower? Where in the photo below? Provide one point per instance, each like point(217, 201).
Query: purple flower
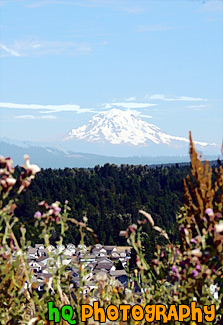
point(193, 241)
point(174, 269)
point(57, 210)
point(194, 273)
point(209, 212)
point(37, 214)
point(198, 267)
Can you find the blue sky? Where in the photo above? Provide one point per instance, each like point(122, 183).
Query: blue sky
point(62, 61)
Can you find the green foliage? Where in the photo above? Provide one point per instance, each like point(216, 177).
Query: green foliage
point(179, 273)
point(111, 197)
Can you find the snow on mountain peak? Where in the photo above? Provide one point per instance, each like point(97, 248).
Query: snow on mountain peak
point(122, 127)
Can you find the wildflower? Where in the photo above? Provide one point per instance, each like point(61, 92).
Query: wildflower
point(219, 227)
point(148, 216)
point(57, 210)
point(55, 204)
point(194, 273)
point(174, 269)
point(123, 233)
point(37, 214)
point(10, 181)
point(209, 212)
point(196, 252)
point(132, 228)
point(34, 168)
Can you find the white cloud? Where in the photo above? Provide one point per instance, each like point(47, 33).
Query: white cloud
point(33, 117)
point(129, 99)
point(55, 108)
point(35, 47)
point(7, 51)
point(49, 108)
point(128, 105)
point(181, 98)
point(145, 116)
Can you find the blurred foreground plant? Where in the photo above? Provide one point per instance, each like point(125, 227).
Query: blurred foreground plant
point(179, 274)
point(192, 270)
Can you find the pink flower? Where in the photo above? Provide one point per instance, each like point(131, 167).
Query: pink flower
point(209, 212)
point(37, 214)
point(57, 210)
point(174, 269)
point(194, 273)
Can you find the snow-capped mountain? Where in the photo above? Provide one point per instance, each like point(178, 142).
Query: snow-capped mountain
point(119, 127)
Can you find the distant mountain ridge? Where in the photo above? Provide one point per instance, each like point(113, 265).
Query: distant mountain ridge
point(51, 157)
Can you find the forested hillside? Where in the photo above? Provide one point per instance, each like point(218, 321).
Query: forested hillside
point(110, 196)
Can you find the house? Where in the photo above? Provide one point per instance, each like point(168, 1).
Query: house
point(98, 246)
point(102, 252)
point(67, 252)
point(36, 266)
point(42, 252)
point(110, 249)
point(71, 248)
point(96, 251)
point(51, 249)
point(39, 246)
point(87, 258)
point(115, 255)
point(60, 248)
point(64, 260)
point(32, 253)
point(121, 276)
point(104, 265)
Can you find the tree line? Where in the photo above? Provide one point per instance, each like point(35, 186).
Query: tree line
point(111, 197)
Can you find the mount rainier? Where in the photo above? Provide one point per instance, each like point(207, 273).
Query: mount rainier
point(114, 136)
point(117, 128)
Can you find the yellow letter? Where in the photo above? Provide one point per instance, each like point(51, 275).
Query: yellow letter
point(124, 309)
point(183, 315)
point(196, 311)
point(97, 311)
point(84, 315)
point(150, 310)
point(209, 312)
point(137, 312)
point(160, 311)
point(172, 313)
point(112, 312)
